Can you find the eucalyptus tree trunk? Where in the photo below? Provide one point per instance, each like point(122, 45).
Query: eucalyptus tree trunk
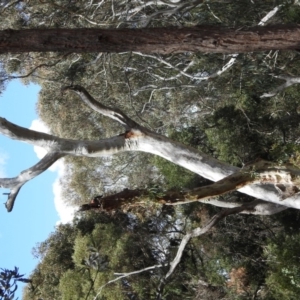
point(278, 185)
point(163, 40)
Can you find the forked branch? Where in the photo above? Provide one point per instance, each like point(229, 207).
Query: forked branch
point(16, 183)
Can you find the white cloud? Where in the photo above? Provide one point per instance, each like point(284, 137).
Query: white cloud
point(3, 159)
point(65, 212)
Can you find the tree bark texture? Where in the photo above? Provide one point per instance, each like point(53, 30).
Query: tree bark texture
point(163, 40)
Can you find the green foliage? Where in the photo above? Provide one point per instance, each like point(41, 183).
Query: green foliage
point(284, 153)
point(291, 14)
point(13, 66)
point(102, 245)
point(224, 117)
point(283, 259)
point(97, 246)
point(233, 135)
point(106, 239)
point(71, 285)
point(247, 128)
point(175, 176)
point(55, 256)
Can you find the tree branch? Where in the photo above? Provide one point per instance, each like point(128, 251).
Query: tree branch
point(289, 80)
point(263, 208)
point(180, 72)
point(194, 233)
point(259, 172)
point(113, 113)
point(200, 231)
point(137, 9)
point(197, 232)
point(228, 65)
point(53, 143)
point(234, 57)
point(130, 197)
point(10, 77)
point(123, 275)
point(16, 183)
point(147, 141)
point(181, 5)
point(163, 40)
point(33, 137)
point(269, 15)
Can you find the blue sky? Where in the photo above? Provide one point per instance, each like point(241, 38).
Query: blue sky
point(34, 215)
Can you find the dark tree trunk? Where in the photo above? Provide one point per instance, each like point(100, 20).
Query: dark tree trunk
point(152, 40)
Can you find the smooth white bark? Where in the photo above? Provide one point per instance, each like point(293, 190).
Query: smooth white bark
point(16, 183)
point(269, 15)
point(138, 138)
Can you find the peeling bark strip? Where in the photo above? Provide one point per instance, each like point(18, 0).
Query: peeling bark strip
point(163, 40)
